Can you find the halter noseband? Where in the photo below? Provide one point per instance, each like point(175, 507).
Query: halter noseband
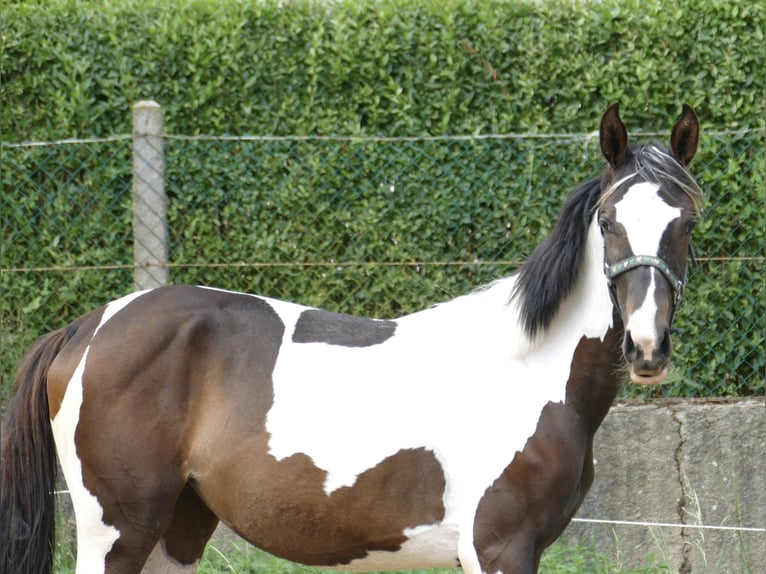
point(676, 284)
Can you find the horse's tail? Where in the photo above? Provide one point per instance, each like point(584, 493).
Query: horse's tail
point(28, 465)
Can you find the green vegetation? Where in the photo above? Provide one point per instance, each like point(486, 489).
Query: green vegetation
point(241, 558)
point(382, 67)
point(558, 559)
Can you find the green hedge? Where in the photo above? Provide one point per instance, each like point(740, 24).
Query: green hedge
point(393, 67)
point(375, 68)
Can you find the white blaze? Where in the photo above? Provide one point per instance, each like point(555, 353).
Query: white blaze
point(645, 217)
point(641, 324)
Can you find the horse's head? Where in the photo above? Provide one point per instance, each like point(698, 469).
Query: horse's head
point(646, 213)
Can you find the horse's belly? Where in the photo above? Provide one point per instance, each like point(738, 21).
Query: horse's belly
point(425, 547)
point(392, 517)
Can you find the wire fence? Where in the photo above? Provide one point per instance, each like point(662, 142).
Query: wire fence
point(373, 226)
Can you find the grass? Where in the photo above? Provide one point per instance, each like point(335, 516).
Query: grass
point(238, 557)
point(227, 556)
point(241, 558)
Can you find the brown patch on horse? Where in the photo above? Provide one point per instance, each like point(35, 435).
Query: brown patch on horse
point(148, 374)
point(530, 502)
point(533, 500)
point(192, 526)
point(293, 517)
point(596, 375)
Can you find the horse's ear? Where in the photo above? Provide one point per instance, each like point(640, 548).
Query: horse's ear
point(685, 136)
point(613, 135)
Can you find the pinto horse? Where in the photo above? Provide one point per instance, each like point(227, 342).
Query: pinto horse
point(458, 435)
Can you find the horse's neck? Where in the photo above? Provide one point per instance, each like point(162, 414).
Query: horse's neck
point(586, 333)
point(597, 374)
point(597, 364)
point(587, 310)
point(489, 316)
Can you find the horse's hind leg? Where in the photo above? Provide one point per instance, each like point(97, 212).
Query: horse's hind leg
point(141, 518)
point(183, 543)
point(163, 536)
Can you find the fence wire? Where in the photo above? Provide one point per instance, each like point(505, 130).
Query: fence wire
point(372, 226)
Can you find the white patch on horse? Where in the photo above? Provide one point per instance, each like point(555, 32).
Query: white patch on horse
point(94, 538)
point(429, 546)
point(453, 379)
point(645, 217)
point(641, 324)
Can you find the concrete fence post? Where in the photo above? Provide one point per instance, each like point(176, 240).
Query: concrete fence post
point(150, 225)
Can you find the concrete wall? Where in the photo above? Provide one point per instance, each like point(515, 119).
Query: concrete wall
point(682, 462)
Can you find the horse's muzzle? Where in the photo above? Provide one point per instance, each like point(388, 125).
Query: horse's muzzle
point(648, 358)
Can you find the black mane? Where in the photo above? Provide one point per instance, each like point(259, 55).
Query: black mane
point(551, 271)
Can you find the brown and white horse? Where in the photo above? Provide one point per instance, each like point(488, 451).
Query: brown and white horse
point(458, 435)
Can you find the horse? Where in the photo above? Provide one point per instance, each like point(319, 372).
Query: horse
point(459, 435)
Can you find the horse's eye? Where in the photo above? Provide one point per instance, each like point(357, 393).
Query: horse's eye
point(690, 225)
point(604, 225)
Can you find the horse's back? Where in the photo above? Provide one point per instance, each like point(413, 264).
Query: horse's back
point(153, 348)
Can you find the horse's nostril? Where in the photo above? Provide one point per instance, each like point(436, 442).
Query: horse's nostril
point(666, 347)
point(629, 348)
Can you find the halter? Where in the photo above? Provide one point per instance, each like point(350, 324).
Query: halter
point(676, 284)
